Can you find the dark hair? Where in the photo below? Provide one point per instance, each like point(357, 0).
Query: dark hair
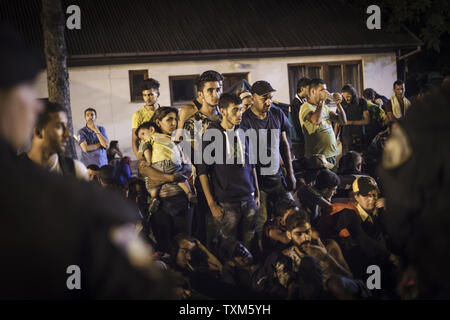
point(303, 82)
point(296, 220)
point(150, 84)
point(369, 93)
point(44, 116)
point(315, 83)
point(229, 98)
point(145, 125)
point(398, 83)
point(160, 114)
point(208, 76)
point(93, 167)
point(327, 179)
point(132, 188)
point(90, 109)
point(113, 143)
point(347, 163)
point(106, 174)
point(284, 205)
point(351, 89)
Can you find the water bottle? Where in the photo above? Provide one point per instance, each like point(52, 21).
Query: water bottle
point(332, 96)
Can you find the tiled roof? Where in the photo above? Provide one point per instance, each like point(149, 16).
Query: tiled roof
point(190, 29)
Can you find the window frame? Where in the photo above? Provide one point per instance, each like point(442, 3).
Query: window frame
point(233, 74)
point(324, 72)
point(131, 74)
point(182, 77)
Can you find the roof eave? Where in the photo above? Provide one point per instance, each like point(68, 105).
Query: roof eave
point(215, 54)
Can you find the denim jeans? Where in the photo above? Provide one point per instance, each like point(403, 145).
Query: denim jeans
point(238, 221)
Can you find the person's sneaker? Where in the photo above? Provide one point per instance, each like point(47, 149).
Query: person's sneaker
point(154, 205)
point(192, 198)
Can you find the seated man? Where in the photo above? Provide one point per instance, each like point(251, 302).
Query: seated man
point(290, 273)
point(274, 233)
point(201, 270)
point(358, 228)
point(93, 171)
point(350, 167)
point(317, 199)
point(50, 138)
point(337, 279)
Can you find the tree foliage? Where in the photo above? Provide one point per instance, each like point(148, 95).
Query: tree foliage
point(427, 19)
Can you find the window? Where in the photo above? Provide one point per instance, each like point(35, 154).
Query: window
point(335, 74)
point(232, 79)
point(136, 78)
point(182, 89)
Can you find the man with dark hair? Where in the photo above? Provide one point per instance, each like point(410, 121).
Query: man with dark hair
point(337, 280)
point(191, 108)
point(398, 105)
point(50, 138)
point(234, 198)
point(316, 199)
point(316, 121)
point(209, 86)
point(353, 134)
point(61, 238)
point(298, 140)
point(93, 140)
point(270, 125)
point(150, 94)
point(93, 172)
point(290, 273)
point(106, 176)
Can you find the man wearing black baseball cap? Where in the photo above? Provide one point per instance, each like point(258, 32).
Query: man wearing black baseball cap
point(271, 125)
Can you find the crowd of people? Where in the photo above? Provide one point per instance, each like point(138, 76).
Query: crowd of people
point(305, 225)
point(303, 218)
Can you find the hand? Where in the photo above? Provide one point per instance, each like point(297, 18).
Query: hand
point(178, 177)
point(216, 210)
point(257, 201)
point(142, 164)
point(291, 183)
point(316, 251)
point(315, 236)
point(91, 125)
point(381, 203)
point(337, 98)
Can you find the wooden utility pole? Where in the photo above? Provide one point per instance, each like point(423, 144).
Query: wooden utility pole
point(53, 25)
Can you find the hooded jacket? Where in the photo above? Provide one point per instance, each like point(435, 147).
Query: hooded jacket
point(232, 181)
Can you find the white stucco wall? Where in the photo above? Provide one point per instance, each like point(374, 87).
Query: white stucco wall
point(106, 88)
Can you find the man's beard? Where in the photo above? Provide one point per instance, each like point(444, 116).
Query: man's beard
point(302, 245)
